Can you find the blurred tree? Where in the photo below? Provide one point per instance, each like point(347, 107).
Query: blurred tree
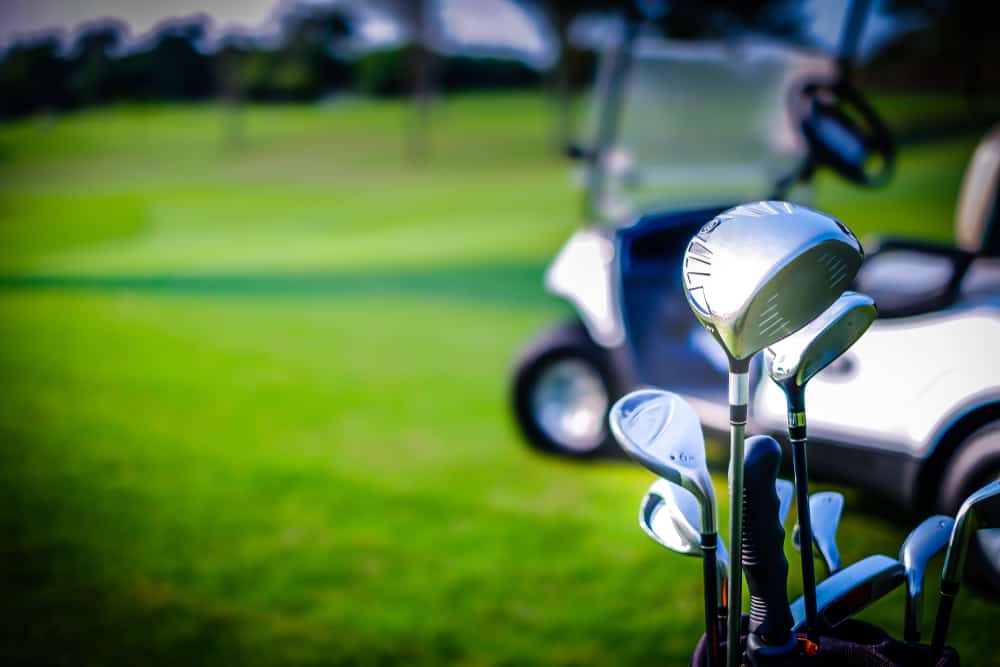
point(177, 62)
point(312, 37)
point(92, 78)
point(33, 77)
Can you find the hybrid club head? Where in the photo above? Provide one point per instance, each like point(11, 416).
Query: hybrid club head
point(825, 510)
point(759, 272)
point(670, 515)
point(793, 361)
point(661, 431)
point(847, 592)
point(785, 490)
point(920, 546)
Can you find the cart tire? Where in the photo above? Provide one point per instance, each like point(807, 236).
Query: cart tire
point(562, 388)
point(974, 464)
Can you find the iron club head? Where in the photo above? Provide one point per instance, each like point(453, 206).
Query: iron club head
point(759, 272)
point(922, 544)
point(661, 431)
point(825, 510)
point(785, 490)
point(980, 510)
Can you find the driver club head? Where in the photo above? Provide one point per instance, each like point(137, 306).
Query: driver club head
point(670, 515)
point(920, 546)
point(793, 361)
point(759, 272)
point(661, 431)
point(825, 510)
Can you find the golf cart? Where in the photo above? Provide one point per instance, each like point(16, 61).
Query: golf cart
point(916, 404)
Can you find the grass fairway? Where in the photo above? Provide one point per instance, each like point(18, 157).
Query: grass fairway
point(253, 406)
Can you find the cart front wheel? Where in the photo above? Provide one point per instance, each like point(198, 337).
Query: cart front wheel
point(562, 390)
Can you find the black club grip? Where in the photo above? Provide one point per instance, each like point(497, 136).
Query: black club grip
point(764, 560)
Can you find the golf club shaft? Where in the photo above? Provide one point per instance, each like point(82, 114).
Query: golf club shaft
point(943, 620)
point(709, 544)
point(739, 389)
point(800, 465)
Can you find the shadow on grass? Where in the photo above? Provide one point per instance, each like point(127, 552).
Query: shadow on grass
point(503, 282)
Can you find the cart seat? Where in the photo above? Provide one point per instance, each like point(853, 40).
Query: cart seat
point(909, 277)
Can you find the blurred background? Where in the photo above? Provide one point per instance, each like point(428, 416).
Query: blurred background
point(264, 270)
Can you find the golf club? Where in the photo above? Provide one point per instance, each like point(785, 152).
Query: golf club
point(980, 510)
point(920, 546)
point(670, 515)
point(825, 510)
point(792, 363)
point(661, 431)
point(753, 275)
point(849, 591)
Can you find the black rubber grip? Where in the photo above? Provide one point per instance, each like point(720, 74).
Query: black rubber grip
point(763, 558)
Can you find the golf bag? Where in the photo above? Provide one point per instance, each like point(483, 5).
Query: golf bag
point(853, 643)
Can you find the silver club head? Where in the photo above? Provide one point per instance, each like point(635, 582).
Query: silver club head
point(852, 589)
point(980, 510)
point(661, 431)
point(785, 491)
point(825, 510)
point(920, 546)
point(670, 515)
point(759, 272)
point(796, 359)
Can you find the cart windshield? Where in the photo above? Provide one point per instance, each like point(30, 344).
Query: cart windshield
point(699, 123)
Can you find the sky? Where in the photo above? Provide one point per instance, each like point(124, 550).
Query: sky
point(496, 26)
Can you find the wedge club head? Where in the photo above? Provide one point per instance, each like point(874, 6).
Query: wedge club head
point(661, 431)
point(825, 510)
point(920, 546)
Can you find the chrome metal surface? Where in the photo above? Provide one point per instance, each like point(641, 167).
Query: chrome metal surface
point(825, 510)
point(569, 401)
point(786, 490)
point(922, 544)
point(852, 589)
point(812, 348)
point(661, 431)
point(980, 510)
point(670, 515)
point(759, 272)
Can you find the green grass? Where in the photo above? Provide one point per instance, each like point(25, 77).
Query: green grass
point(253, 398)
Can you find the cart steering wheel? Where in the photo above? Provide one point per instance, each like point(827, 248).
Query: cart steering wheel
point(845, 133)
